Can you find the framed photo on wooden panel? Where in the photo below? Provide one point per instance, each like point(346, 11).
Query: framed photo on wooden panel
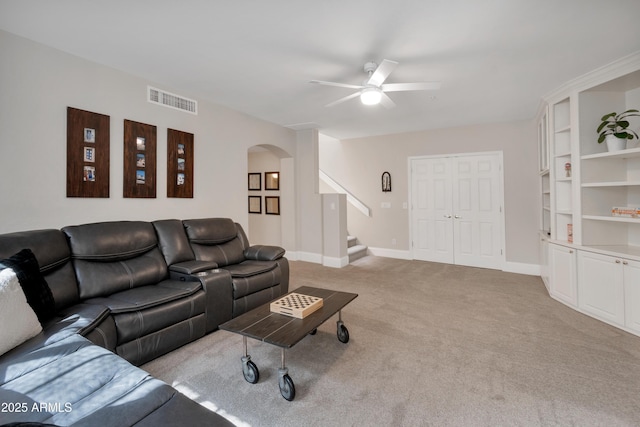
point(272, 180)
point(179, 164)
point(272, 205)
point(255, 204)
point(88, 151)
point(139, 180)
point(255, 181)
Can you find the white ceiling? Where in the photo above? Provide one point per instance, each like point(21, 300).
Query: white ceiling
point(495, 58)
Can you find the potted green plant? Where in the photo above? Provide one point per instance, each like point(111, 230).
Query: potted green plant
point(615, 129)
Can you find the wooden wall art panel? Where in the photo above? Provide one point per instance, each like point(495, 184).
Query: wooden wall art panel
point(87, 154)
point(139, 179)
point(179, 164)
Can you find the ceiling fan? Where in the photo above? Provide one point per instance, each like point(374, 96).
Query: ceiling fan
point(373, 90)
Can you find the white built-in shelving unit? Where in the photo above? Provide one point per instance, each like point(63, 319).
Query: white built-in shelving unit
point(609, 178)
point(597, 271)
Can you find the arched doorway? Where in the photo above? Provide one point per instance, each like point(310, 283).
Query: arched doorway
point(274, 224)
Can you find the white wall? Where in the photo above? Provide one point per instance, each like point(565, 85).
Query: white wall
point(358, 164)
point(309, 201)
point(265, 229)
point(38, 83)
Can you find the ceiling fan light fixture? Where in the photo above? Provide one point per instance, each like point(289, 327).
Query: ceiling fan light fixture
point(371, 96)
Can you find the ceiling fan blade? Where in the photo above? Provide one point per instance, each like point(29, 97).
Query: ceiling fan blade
point(386, 101)
point(336, 84)
point(398, 87)
point(382, 72)
point(341, 100)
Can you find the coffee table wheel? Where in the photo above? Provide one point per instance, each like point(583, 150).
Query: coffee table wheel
point(287, 388)
point(343, 333)
point(313, 332)
point(250, 372)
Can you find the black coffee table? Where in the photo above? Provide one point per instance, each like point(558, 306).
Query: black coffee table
point(285, 331)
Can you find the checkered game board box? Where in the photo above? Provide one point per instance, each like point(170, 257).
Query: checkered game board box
point(296, 305)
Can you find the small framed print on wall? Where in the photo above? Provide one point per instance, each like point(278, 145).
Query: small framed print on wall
point(255, 181)
point(88, 151)
point(255, 204)
point(272, 180)
point(272, 205)
point(179, 164)
point(139, 180)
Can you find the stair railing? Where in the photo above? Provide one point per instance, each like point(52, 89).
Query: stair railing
point(340, 189)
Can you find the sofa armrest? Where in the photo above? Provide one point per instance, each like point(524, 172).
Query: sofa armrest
point(264, 253)
point(192, 267)
point(218, 288)
point(78, 319)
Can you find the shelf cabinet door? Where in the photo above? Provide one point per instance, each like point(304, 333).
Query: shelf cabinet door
point(600, 286)
point(544, 261)
point(632, 295)
point(562, 273)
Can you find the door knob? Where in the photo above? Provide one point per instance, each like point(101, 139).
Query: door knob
point(457, 216)
point(447, 216)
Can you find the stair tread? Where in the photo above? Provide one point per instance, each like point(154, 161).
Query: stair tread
point(356, 248)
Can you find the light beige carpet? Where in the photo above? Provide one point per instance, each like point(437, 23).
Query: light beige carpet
point(431, 345)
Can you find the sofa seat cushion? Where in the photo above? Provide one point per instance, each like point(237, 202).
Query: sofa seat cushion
point(253, 276)
point(78, 380)
point(144, 297)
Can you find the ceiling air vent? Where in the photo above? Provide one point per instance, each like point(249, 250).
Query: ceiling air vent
point(161, 97)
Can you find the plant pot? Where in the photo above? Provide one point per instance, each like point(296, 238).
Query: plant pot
point(615, 144)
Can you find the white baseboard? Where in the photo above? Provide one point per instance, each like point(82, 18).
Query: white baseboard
point(310, 257)
point(335, 262)
point(511, 267)
point(522, 268)
point(389, 253)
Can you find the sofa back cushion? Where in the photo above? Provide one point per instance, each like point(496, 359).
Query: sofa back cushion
point(52, 252)
point(216, 239)
point(173, 241)
point(110, 257)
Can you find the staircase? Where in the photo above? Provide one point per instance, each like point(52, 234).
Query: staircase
point(354, 249)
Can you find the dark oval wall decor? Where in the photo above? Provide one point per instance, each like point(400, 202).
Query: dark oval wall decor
point(386, 181)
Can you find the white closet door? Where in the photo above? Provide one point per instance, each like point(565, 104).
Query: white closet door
point(431, 202)
point(476, 211)
point(456, 210)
